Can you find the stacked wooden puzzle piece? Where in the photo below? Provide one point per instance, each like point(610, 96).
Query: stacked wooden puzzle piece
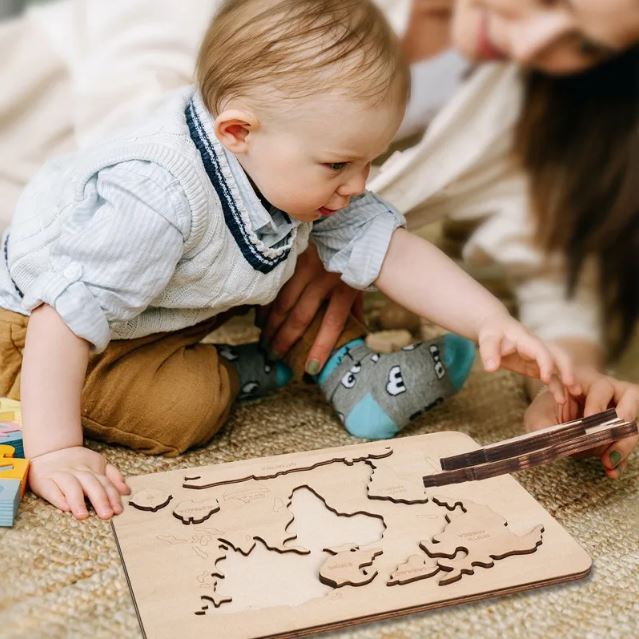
point(13, 466)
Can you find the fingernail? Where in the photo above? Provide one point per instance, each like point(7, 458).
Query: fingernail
point(313, 367)
point(614, 457)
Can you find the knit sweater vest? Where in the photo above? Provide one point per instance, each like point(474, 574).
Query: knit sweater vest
point(224, 264)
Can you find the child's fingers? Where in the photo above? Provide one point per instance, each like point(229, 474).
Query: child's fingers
point(112, 493)
point(508, 347)
point(557, 390)
point(49, 490)
point(117, 478)
point(73, 493)
point(96, 493)
point(564, 365)
point(490, 351)
point(535, 349)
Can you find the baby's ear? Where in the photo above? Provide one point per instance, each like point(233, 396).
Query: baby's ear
point(233, 127)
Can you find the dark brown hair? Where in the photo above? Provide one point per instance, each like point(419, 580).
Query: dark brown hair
point(578, 138)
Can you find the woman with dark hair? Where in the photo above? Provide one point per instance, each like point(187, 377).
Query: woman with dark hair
point(544, 157)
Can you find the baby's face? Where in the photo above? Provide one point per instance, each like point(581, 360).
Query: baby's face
point(313, 156)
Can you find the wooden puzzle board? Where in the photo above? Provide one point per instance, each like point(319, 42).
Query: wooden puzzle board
point(291, 545)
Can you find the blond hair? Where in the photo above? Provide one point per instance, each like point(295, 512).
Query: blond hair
point(300, 48)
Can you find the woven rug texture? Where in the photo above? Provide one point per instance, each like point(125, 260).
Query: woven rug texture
point(63, 578)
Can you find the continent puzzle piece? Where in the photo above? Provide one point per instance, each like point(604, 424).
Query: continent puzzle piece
point(349, 566)
point(290, 545)
point(476, 537)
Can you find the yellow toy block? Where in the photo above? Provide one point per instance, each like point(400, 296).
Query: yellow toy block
point(13, 468)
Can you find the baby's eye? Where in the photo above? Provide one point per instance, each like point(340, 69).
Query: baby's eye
point(591, 49)
point(337, 166)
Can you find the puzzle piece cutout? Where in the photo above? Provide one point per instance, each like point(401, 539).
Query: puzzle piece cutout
point(476, 536)
point(150, 499)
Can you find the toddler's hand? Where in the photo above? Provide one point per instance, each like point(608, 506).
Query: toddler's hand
point(64, 477)
point(505, 343)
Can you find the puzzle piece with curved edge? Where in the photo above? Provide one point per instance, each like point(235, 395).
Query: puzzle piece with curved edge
point(416, 567)
point(195, 512)
point(476, 536)
point(398, 478)
point(150, 499)
point(348, 566)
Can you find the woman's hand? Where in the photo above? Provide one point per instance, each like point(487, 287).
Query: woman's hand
point(297, 303)
point(599, 392)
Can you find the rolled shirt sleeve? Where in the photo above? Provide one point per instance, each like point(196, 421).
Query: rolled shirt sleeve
point(116, 251)
point(355, 240)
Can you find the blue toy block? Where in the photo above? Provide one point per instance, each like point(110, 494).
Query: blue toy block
point(9, 501)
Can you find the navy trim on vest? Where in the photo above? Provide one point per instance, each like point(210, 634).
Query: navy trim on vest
point(232, 215)
point(6, 261)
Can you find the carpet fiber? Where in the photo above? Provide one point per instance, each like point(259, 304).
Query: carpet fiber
point(62, 578)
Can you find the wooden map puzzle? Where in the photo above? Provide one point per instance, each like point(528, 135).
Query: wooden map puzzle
point(296, 544)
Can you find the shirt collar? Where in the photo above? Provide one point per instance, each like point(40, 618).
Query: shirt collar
point(270, 225)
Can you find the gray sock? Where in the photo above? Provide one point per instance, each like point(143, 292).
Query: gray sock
point(376, 395)
point(258, 375)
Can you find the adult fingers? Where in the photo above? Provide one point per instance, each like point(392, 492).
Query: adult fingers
point(117, 478)
point(96, 493)
point(301, 315)
point(617, 454)
point(261, 315)
point(599, 395)
point(335, 317)
point(286, 299)
point(358, 308)
point(627, 398)
point(72, 490)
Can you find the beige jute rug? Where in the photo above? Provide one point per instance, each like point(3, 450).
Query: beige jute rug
point(62, 578)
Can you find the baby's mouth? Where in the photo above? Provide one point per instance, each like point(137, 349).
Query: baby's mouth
point(325, 212)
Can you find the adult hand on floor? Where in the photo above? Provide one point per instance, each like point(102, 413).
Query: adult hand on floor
point(299, 300)
point(63, 477)
point(600, 392)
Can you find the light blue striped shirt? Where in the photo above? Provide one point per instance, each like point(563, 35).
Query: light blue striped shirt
point(144, 243)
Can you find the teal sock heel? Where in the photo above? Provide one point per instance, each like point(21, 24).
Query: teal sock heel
point(459, 356)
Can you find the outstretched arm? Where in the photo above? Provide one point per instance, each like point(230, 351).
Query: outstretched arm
point(421, 278)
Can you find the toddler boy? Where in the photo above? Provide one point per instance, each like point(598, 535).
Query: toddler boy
point(121, 259)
